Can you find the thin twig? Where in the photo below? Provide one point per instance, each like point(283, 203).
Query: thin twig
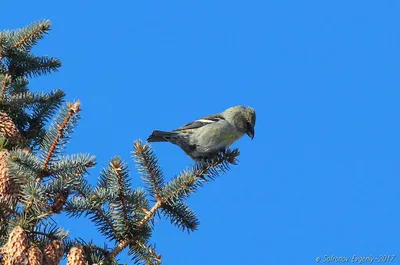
point(156, 257)
point(44, 234)
point(43, 215)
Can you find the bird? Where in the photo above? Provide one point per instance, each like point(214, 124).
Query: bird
point(206, 137)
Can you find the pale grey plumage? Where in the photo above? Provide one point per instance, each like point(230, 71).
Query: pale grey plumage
point(207, 136)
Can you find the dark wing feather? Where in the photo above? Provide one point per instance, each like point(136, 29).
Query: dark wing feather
point(201, 122)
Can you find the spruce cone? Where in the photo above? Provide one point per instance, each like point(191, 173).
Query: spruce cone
point(35, 256)
point(76, 256)
point(9, 190)
point(53, 252)
point(59, 201)
point(16, 249)
point(9, 130)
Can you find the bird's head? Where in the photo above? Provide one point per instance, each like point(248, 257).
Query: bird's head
point(243, 118)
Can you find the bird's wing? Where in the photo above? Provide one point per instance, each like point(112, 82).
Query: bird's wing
point(201, 122)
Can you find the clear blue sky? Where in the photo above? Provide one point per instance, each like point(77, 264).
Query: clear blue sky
point(322, 175)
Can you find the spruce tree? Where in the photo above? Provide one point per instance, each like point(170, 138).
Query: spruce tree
point(38, 180)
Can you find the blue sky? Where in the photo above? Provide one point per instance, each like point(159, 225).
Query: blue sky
point(321, 176)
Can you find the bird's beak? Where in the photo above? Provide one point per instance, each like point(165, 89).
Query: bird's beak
point(250, 132)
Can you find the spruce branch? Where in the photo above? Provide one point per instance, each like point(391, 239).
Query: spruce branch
point(141, 252)
point(4, 38)
point(28, 37)
point(124, 243)
point(179, 188)
point(120, 206)
point(22, 64)
point(24, 166)
point(122, 185)
point(3, 67)
point(63, 185)
point(188, 181)
point(67, 176)
point(28, 99)
point(4, 84)
point(73, 109)
point(180, 215)
point(19, 85)
point(149, 169)
point(15, 101)
point(33, 197)
point(94, 254)
point(41, 113)
point(75, 165)
point(98, 215)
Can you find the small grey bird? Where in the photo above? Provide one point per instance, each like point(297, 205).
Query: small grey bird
point(207, 136)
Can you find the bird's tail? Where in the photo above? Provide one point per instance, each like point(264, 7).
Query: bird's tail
point(160, 136)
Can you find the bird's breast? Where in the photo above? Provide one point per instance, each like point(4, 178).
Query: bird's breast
point(230, 137)
point(215, 137)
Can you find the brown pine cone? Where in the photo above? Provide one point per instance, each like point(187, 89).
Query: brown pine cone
point(59, 201)
point(9, 190)
point(16, 249)
point(76, 256)
point(53, 252)
point(9, 130)
point(35, 256)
